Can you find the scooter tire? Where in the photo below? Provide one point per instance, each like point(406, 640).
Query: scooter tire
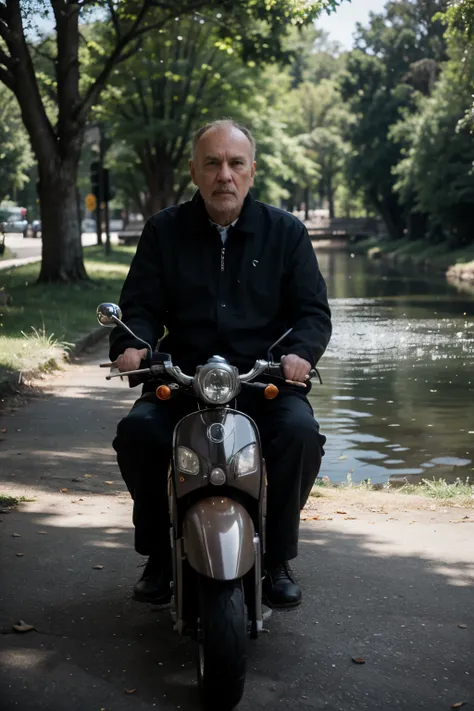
point(222, 643)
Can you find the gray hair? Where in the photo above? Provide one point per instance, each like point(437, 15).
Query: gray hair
point(220, 123)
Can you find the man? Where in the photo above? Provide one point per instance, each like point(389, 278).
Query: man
point(227, 276)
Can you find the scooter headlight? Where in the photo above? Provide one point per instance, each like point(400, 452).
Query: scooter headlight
point(187, 460)
point(246, 461)
point(217, 385)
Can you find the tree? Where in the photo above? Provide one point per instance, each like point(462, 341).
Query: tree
point(396, 57)
point(57, 142)
point(15, 153)
point(157, 99)
point(435, 175)
point(320, 119)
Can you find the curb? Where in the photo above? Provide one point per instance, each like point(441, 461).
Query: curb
point(87, 341)
point(12, 383)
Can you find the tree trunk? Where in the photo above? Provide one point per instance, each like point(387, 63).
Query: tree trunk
point(160, 190)
point(330, 195)
point(306, 203)
point(384, 209)
point(62, 257)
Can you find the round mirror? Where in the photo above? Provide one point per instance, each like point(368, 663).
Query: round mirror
point(108, 314)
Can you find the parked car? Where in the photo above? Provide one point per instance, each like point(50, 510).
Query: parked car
point(13, 220)
point(88, 225)
point(34, 229)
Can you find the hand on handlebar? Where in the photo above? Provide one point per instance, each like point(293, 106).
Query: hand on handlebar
point(131, 359)
point(295, 370)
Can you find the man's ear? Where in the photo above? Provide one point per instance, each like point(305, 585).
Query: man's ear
point(252, 173)
point(192, 170)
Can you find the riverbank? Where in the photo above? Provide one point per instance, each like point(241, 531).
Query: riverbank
point(41, 324)
point(457, 265)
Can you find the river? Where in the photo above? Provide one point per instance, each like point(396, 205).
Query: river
point(397, 399)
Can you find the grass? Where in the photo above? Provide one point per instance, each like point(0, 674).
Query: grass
point(440, 489)
point(459, 492)
point(416, 252)
point(43, 320)
point(8, 254)
point(10, 501)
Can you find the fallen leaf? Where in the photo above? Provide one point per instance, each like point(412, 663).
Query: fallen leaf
point(303, 518)
point(42, 533)
point(23, 627)
point(315, 518)
point(97, 567)
point(458, 704)
point(63, 491)
point(350, 518)
point(462, 626)
point(341, 512)
point(130, 691)
point(20, 554)
point(4, 429)
point(16, 535)
point(358, 660)
point(108, 482)
point(88, 476)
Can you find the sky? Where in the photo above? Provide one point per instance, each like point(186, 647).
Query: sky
point(341, 24)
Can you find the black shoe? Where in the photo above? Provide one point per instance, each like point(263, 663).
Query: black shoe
point(154, 585)
point(279, 587)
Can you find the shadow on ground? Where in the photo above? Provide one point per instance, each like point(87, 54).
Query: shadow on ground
point(398, 612)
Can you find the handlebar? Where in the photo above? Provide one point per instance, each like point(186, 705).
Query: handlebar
point(166, 367)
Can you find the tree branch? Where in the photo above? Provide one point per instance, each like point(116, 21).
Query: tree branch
point(115, 20)
point(7, 79)
point(42, 54)
point(94, 90)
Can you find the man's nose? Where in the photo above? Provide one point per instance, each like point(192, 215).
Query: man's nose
point(225, 173)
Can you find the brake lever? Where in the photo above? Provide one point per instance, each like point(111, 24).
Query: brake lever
point(128, 372)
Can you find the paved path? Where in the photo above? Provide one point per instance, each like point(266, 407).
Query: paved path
point(28, 249)
point(392, 589)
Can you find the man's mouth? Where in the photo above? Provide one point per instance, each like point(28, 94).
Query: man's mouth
point(222, 192)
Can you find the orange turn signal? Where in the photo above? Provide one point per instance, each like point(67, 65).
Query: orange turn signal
point(271, 391)
point(163, 392)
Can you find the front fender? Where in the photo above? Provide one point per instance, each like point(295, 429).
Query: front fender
point(218, 538)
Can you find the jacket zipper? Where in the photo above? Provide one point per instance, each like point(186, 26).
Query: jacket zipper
point(222, 259)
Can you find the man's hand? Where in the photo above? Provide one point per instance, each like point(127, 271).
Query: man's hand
point(295, 369)
point(130, 360)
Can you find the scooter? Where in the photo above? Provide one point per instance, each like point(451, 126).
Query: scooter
point(217, 504)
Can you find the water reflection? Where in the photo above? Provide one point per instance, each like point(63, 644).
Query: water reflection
point(398, 394)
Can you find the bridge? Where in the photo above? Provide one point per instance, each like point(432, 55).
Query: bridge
point(344, 228)
point(319, 228)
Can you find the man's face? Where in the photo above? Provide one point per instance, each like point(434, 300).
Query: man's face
point(223, 170)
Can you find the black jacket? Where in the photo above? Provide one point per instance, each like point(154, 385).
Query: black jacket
point(232, 301)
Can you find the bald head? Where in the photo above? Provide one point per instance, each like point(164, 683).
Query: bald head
point(223, 123)
point(223, 168)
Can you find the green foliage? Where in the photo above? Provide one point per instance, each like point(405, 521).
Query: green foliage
point(15, 152)
point(397, 57)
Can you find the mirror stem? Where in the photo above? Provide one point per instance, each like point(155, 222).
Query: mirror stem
point(123, 325)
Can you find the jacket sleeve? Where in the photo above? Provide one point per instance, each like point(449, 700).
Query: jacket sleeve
point(142, 297)
point(306, 303)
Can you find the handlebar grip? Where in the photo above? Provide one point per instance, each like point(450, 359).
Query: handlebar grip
point(134, 380)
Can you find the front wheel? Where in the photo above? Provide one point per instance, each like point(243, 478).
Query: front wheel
point(222, 641)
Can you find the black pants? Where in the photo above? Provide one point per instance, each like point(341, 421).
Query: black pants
point(292, 447)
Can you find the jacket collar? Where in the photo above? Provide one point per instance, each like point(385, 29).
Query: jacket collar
point(247, 221)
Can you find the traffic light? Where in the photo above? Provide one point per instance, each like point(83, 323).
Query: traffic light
point(104, 192)
point(95, 179)
point(108, 191)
